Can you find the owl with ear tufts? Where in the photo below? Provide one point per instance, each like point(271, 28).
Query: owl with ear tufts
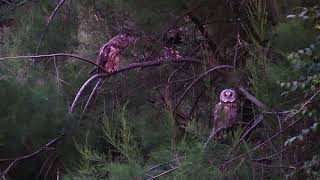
point(225, 112)
point(110, 53)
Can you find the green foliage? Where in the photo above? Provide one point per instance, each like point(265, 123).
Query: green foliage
point(257, 15)
point(129, 130)
point(291, 36)
point(25, 35)
point(30, 115)
point(118, 134)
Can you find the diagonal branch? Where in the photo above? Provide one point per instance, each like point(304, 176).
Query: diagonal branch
point(128, 68)
point(253, 99)
point(48, 23)
point(202, 30)
point(55, 55)
point(43, 148)
point(198, 79)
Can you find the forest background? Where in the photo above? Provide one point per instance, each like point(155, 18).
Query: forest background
point(151, 119)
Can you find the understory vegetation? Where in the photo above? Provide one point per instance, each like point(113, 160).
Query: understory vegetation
point(152, 117)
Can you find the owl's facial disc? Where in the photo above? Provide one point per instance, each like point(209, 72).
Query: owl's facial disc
point(228, 96)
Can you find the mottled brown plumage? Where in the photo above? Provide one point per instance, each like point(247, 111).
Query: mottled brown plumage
point(109, 55)
point(225, 112)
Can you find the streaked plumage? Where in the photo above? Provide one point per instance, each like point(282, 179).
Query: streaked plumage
point(109, 55)
point(225, 112)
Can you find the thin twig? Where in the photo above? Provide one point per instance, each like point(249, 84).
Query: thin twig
point(48, 23)
point(159, 165)
point(47, 172)
point(127, 68)
point(43, 148)
point(280, 131)
point(57, 73)
point(56, 55)
point(264, 142)
point(163, 173)
point(213, 133)
point(198, 79)
point(44, 164)
point(256, 120)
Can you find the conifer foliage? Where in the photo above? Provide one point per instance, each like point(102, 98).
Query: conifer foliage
point(149, 117)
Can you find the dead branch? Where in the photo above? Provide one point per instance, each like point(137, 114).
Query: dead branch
point(198, 79)
point(213, 133)
point(56, 55)
point(48, 23)
point(159, 165)
point(163, 173)
point(127, 68)
point(202, 30)
point(280, 131)
point(43, 148)
point(256, 120)
point(7, 2)
point(91, 96)
point(253, 99)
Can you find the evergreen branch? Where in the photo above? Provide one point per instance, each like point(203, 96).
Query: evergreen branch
point(128, 68)
point(198, 79)
point(43, 148)
point(48, 23)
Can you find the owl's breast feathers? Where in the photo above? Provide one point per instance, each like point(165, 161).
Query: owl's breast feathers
point(109, 55)
point(225, 114)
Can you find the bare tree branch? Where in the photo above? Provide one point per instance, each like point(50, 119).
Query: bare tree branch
point(91, 96)
point(55, 55)
point(130, 67)
point(213, 133)
point(43, 148)
point(282, 130)
point(198, 79)
point(253, 99)
point(48, 23)
point(163, 173)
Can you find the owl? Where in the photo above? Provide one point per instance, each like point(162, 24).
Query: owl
point(109, 55)
point(225, 112)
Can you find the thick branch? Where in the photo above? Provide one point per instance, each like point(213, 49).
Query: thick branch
point(251, 98)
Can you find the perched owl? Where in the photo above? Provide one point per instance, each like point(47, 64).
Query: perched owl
point(225, 112)
point(109, 55)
